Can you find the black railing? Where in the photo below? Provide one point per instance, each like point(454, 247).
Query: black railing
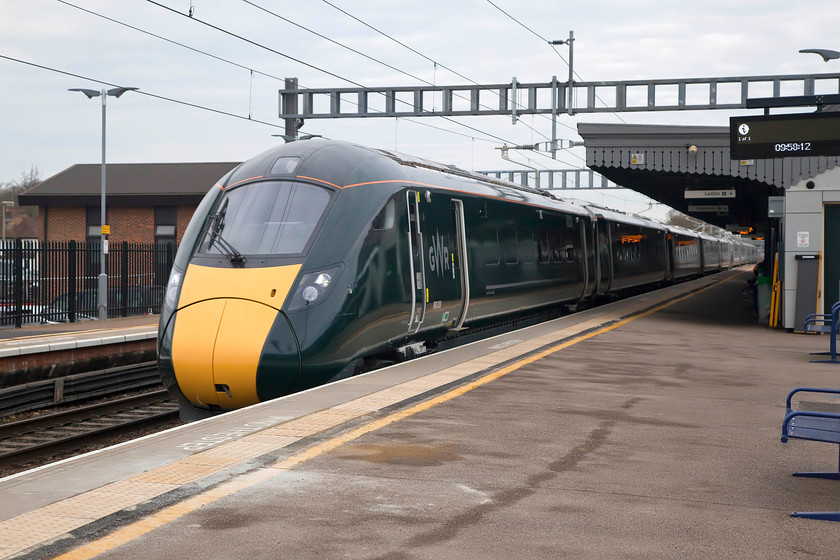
point(58, 281)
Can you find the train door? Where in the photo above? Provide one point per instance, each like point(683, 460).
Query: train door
point(585, 260)
point(670, 257)
point(416, 261)
point(446, 294)
point(604, 257)
point(459, 261)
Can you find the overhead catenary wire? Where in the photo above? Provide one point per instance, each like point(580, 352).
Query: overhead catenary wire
point(436, 64)
point(196, 105)
point(252, 72)
point(227, 61)
point(541, 38)
point(415, 51)
point(368, 57)
point(308, 65)
point(140, 92)
point(162, 38)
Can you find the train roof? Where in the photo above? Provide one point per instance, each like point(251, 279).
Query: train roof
point(343, 165)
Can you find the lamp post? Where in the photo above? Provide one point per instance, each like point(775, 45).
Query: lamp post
point(102, 287)
point(6, 204)
point(826, 54)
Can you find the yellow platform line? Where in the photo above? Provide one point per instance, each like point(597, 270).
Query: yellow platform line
point(52, 521)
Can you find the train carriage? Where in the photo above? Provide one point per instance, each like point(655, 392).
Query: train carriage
point(685, 253)
point(318, 259)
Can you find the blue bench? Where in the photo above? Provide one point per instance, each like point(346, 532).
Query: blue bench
point(825, 323)
point(815, 426)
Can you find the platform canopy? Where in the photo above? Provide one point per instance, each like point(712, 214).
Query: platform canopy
point(689, 168)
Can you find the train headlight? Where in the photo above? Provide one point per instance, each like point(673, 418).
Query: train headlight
point(313, 288)
point(173, 287)
point(310, 294)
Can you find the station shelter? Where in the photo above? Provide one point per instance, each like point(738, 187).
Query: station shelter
point(791, 204)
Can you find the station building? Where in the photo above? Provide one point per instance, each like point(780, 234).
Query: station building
point(145, 202)
point(793, 203)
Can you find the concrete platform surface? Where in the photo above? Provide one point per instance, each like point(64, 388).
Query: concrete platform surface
point(34, 339)
point(654, 434)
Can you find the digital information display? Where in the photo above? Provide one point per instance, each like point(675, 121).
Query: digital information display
point(779, 136)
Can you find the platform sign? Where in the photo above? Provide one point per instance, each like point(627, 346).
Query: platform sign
point(779, 136)
point(718, 208)
point(718, 193)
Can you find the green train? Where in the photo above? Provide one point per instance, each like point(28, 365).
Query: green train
point(320, 259)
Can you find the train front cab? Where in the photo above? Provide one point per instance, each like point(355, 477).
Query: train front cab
point(224, 341)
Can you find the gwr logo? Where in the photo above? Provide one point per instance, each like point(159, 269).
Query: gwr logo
point(439, 254)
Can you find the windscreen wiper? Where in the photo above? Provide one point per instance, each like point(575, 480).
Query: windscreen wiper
point(217, 224)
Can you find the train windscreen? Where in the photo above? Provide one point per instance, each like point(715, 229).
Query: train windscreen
point(274, 218)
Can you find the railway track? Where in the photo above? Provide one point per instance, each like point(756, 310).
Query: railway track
point(48, 435)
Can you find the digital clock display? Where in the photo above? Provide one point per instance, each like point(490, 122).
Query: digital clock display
point(793, 147)
point(779, 136)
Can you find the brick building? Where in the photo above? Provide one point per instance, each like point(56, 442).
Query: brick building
point(145, 202)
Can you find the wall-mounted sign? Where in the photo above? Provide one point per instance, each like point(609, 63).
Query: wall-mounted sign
point(779, 136)
point(803, 239)
point(729, 193)
point(720, 209)
point(637, 159)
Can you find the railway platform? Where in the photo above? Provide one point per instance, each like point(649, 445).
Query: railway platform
point(646, 428)
point(40, 352)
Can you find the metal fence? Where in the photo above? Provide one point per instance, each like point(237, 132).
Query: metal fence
point(57, 281)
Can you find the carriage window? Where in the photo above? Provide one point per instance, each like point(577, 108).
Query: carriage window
point(386, 218)
point(527, 247)
point(488, 246)
point(510, 247)
point(557, 247)
point(543, 246)
point(265, 218)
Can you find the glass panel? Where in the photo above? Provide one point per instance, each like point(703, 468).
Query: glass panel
point(266, 218)
point(510, 249)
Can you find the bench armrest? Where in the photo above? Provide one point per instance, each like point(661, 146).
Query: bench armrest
point(812, 413)
point(808, 390)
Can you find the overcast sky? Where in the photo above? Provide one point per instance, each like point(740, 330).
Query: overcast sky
point(45, 126)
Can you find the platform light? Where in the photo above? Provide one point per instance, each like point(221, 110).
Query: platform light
point(826, 54)
point(102, 298)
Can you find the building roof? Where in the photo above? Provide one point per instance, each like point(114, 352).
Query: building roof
point(128, 184)
point(665, 161)
point(663, 148)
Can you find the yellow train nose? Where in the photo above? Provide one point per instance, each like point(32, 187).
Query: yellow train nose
point(218, 342)
point(216, 350)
